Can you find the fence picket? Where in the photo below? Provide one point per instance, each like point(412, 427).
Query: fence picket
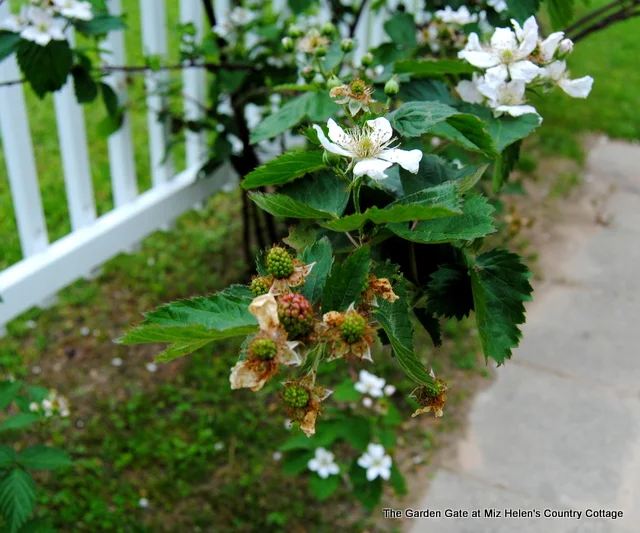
point(193, 91)
point(121, 158)
point(20, 161)
point(154, 42)
point(75, 155)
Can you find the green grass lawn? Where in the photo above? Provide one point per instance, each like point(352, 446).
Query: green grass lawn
point(613, 108)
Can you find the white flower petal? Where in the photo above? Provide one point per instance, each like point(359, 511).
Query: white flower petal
point(407, 159)
point(503, 40)
point(337, 134)
point(549, 46)
point(578, 88)
point(385, 473)
point(364, 461)
point(329, 146)
point(524, 70)
point(372, 473)
point(313, 465)
point(382, 130)
point(496, 75)
point(479, 59)
point(517, 110)
point(374, 168)
point(468, 92)
point(556, 70)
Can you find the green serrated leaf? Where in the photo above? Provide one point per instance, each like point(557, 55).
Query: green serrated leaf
point(323, 191)
point(426, 90)
point(560, 12)
point(395, 319)
point(346, 281)
point(7, 456)
point(86, 89)
point(17, 498)
point(433, 68)
point(8, 42)
point(46, 68)
point(283, 169)
point(468, 131)
point(19, 421)
point(317, 106)
point(504, 130)
point(469, 176)
point(402, 29)
point(523, 9)
point(321, 254)
point(100, 24)
point(431, 325)
point(296, 462)
point(280, 205)
point(323, 488)
point(505, 164)
point(449, 292)
point(500, 285)
point(475, 222)
point(8, 391)
point(357, 431)
point(414, 119)
point(191, 324)
point(40, 457)
point(301, 236)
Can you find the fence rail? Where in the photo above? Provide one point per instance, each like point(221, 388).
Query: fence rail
point(46, 267)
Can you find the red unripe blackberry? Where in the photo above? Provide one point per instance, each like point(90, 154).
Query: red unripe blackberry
point(296, 315)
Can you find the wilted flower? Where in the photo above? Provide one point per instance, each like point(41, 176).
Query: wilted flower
point(348, 334)
point(356, 95)
point(429, 399)
point(323, 464)
point(378, 287)
point(263, 356)
point(368, 148)
point(303, 399)
point(376, 461)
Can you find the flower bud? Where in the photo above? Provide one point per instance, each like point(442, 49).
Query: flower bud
point(392, 87)
point(295, 32)
point(321, 51)
point(565, 48)
point(287, 44)
point(308, 74)
point(367, 59)
point(328, 29)
point(347, 45)
point(330, 159)
point(333, 82)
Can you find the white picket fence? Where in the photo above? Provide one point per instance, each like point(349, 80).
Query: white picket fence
point(47, 267)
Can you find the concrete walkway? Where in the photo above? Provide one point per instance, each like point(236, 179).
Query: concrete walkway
point(560, 427)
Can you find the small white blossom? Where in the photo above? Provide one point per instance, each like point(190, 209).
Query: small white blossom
point(15, 23)
point(143, 503)
point(367, 402)
point(36, 370)
point(152, 367)
point(323, 464)
point(276, 456)
point(389, 390)
point(116, 361)
point(42, 27)
point(368, 148)
point(34, 407)
point(84, 331)
point(74, 9)
point(498, 5)
point(507, 56)
point(218, 446)
point(376, 461)
point(370, 384)
point(578, 88)
point(31, 324)
point(508, 97)
point(461, 17)
point(241, 16)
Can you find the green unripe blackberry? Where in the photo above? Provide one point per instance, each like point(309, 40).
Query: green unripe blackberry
point(259, 286)
point(352, 329)
point(347, 45)
point(296, 315)
point(287, 44)
point(279, 263)
point(367, 60)
point(263, 349)
point(321, 51)
point(295, 396)
point(392, 87)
